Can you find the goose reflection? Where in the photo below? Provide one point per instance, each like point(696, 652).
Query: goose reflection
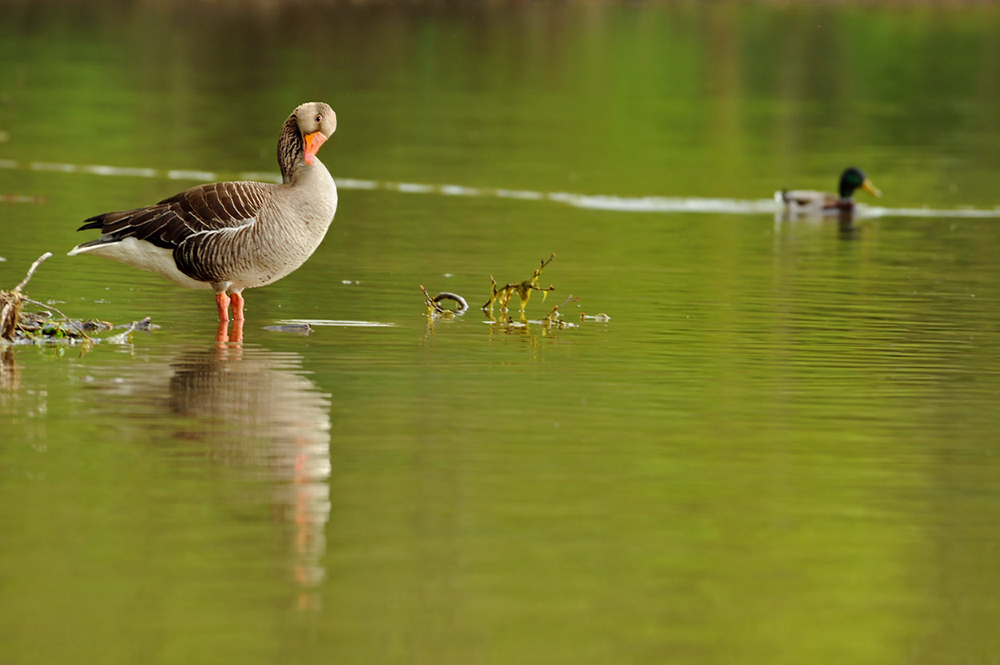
point(256, 412)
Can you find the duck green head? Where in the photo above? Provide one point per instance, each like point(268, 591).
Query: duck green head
point(853, 178)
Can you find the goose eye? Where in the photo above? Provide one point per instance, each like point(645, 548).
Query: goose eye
point(319, 119)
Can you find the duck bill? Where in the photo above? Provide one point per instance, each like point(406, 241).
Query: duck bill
point(313, 142)
point(871, 189)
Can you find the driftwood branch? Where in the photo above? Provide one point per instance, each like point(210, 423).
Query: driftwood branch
point(31, 271)
point(12, 302)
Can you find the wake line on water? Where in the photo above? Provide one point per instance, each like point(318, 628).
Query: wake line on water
point(647, 204)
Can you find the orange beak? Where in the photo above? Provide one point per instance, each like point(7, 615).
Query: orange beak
point(313, 142)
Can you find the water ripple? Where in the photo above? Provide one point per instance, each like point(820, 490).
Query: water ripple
point(647, 204)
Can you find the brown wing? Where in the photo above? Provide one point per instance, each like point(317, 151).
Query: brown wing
point(167, 224)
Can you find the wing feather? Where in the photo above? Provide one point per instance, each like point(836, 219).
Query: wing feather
point(206, 208)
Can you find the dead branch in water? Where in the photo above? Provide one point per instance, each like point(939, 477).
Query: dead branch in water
point(12, 301)
point(19, 326)
point(434, 304)
point(31, 271)
point(552, 318)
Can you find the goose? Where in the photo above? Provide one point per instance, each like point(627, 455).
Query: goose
point(807, 201)
point(230, 236)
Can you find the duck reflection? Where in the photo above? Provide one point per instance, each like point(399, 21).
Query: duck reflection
point(849, 223)
point(256, 412)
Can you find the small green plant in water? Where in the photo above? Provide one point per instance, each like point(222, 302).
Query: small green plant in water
point(502, 295)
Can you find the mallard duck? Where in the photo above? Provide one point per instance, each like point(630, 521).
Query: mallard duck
point(229, 236)
point(807, 201)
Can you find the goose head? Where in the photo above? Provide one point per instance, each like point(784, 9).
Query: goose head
point(316, 122)
point(305, 130)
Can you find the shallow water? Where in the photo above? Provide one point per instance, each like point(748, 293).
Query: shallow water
point(781, 448)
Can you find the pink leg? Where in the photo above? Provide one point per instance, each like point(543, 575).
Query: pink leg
point(236, 335)
point(222, 335)
point(222, 300)
point(237, 307)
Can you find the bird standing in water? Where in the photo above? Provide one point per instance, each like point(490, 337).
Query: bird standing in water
point(230, 236)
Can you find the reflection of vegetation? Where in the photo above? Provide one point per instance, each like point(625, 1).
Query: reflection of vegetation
point(523, 289)
point(10, 375)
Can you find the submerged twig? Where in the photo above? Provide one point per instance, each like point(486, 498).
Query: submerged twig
point(434, 304)
point(552, 318)
point(68, 320)
point(19, 198)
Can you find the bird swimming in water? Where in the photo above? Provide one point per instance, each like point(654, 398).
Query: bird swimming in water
point(808, 202)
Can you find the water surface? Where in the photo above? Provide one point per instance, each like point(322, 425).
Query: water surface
point(781, 448)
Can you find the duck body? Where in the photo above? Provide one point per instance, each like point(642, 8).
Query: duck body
point(810, 202)
point(230, 236)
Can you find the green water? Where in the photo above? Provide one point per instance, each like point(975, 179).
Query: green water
point(781, 448)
